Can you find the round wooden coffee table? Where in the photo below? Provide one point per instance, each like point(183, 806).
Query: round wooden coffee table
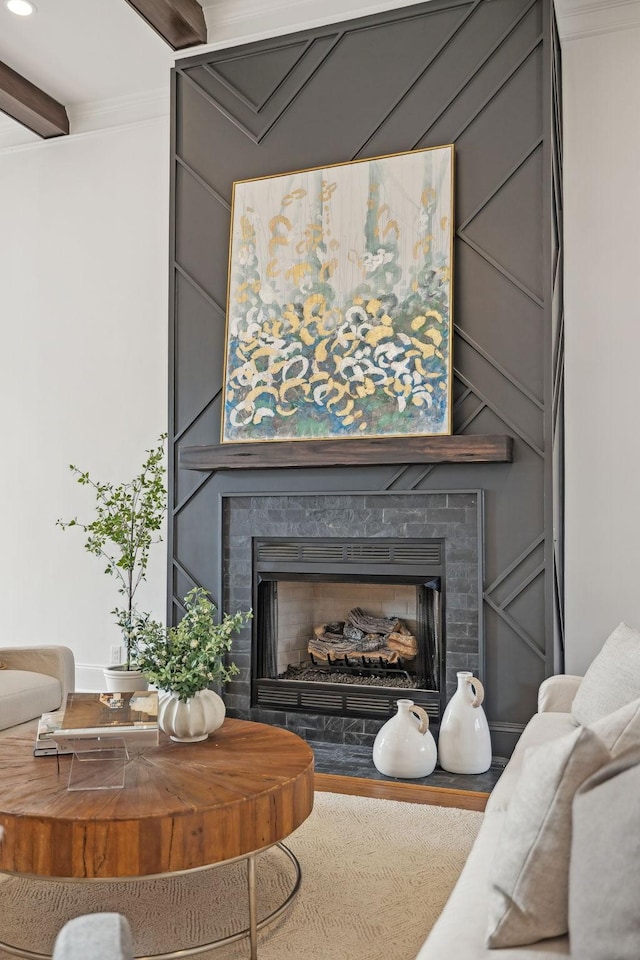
point(183, 807)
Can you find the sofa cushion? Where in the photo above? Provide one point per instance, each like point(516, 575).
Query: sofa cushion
point(542, 728)
point(620, 730)
point(612, 680)
point(459, 931)
point(529, 877)
point(606, 843)
point(25, 695)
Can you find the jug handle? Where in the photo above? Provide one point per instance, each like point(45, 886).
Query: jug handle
point(423, 718)
point(477, 690)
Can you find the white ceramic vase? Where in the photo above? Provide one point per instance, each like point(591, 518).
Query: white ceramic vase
point(464, 743)
point(120, 680)
point(188, 721)
point(404, 746)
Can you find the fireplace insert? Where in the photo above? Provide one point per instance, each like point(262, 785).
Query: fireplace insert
point(346, 625)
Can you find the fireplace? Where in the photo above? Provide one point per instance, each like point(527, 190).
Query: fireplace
point(306, 561)
point(347, 625)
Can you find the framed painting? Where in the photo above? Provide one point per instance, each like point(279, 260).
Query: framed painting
point(339, 301)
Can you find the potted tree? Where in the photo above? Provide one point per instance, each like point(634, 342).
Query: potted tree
point(127, 522)
point(183, 662)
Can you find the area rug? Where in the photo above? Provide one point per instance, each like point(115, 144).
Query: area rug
point(375, 876)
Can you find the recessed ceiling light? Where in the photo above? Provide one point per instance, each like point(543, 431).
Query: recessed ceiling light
point(23, 8)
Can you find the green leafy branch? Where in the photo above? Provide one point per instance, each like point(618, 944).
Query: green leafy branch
point(127, 519)
point(187, 658)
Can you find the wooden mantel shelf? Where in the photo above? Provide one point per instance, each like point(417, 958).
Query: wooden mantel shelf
point(348, 453)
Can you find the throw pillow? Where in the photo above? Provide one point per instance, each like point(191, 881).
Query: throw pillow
point(612, 680)
point(605, 859)
point(529, 877)
point(620, 730)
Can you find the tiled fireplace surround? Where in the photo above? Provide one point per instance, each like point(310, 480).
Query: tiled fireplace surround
point(455, 516)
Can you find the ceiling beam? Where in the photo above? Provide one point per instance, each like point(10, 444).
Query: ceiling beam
point(31, 106)
point(180, 22)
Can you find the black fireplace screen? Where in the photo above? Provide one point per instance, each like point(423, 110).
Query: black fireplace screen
point(363, 613)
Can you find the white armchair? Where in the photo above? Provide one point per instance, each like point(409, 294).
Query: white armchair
point(33, 680)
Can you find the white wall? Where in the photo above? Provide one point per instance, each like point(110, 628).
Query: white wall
point(83, 369)
point(602, 303)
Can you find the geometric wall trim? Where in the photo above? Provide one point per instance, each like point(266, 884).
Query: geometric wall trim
point(485, 76)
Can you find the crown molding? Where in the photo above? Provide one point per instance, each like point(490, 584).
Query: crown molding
point(242, 11)
point(231, 22)
point(577, 19)
point(120, 111)
point(23, 146)
point(95, 116)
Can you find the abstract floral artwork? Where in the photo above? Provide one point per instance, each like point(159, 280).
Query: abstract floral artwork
point(339, 301)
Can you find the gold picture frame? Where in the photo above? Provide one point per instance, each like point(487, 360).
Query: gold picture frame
point(339, 301)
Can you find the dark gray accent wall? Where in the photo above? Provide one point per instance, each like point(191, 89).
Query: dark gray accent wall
point(483, 75)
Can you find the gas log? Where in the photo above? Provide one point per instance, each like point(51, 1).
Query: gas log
point(360, 636)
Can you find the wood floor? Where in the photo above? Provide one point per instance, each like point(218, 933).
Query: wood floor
point(406, 792)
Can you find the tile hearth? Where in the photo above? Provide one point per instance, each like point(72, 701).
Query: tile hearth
point(352, 760)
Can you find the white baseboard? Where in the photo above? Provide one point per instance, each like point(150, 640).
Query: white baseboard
point(89, 677)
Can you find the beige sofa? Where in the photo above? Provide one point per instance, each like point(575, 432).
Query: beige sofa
point(33, 680)
point(461, 928)
point(603, 710)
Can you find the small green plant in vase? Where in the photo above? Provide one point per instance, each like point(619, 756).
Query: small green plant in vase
point(183, 661)
point(127, 522)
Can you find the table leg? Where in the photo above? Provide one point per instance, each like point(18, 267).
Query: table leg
point(253, 915)
point(180, 954)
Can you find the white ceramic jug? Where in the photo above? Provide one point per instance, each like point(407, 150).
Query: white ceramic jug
point(404, 746)
point(464, 743)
